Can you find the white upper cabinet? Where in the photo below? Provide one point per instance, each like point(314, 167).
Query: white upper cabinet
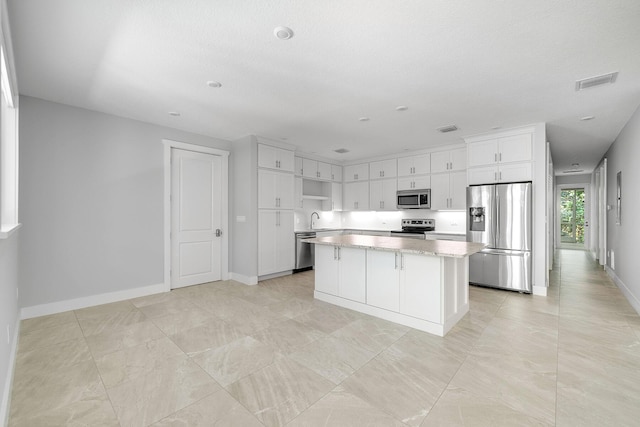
point(383, 169)
point(382, 194)
point(275, 158)
point(336, 173)
point(414, 165)
point(298, 165)
point(358, 172)
point(356, 196)
point(314, 169)
point(275, 190)
point(419, 182)
point(449, 160)
point(508, 149)
point(448, 191)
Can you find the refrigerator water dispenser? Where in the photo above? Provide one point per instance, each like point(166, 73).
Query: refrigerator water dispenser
point(476, 219)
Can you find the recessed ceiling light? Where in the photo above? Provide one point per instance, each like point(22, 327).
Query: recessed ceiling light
point(585, 118)
point(364, 119)
point(402, 108)
point(575, 165)
point(174, 113)
point(283, 33)
point(214, 84)
point(341, 150)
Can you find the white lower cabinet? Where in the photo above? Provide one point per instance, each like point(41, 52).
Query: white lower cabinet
point(405, 283)
point(421, 287)
point(276, 241)
point(383, 280)
point(335, 275)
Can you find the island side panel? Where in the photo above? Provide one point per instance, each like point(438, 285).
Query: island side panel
point(456, 290)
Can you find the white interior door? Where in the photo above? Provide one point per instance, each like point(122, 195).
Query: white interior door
point(196, 218)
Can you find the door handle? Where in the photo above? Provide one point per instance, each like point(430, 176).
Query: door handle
point(218, 232)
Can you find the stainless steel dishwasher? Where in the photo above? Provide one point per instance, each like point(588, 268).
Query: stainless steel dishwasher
point(305, 252)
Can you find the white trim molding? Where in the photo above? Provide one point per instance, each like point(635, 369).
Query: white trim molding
point(633, 300)
point(89, 301)
point(168, 145)
point(540, 290)
point(247, 280)
point(7, 230)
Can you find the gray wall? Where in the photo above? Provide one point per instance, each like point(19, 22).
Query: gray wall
point(91, 201)
point(8, 307)
point(244, 161)
point(622, 240)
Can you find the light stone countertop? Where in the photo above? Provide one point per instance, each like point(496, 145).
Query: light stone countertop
point(446, 248)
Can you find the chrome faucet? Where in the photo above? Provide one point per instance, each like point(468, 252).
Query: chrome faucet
point(311, 222)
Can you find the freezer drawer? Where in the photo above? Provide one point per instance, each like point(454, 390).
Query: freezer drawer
point(505, 269)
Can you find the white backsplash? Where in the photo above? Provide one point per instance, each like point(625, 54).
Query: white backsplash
point(446, 221)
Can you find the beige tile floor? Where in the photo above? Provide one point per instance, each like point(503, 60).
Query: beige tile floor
point(226, 354)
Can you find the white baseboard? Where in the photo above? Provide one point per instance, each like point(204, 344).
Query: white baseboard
point(540, 291)
point(633, 300)
point(247, 280)
point(6, 395)
point(90, 301)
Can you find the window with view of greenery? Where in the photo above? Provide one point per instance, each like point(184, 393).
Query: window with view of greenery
point(572, 215)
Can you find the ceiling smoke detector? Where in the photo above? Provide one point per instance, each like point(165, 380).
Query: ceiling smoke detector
point(283, 33)
point(449, 128)
point(341, 150)
point(596, 81)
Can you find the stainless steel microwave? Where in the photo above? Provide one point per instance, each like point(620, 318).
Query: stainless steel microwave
point(414, 199)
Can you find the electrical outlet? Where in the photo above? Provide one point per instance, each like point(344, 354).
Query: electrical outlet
point(454, 224)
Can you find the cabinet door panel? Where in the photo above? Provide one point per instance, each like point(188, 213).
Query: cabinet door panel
point(405, 166)
point(267, 189)
point(286, 160)
point(352, 277)
point(285, 241)
point(383, 279)
point(336, 173)
point(422, 164)
point(326, 269)
point(420, 287)
point(439, 191)
point(515, 172)
point(309, 168)
point(458, 190)
point(267, 156)
point(482, 153)
point(405, 183)
point(324, 171)
point(267, 236)
point(515, 148)
point(284, 190)
point(422, 182)
point(486, 175)
point(389, 187)
point(458, 159)
point(440, 161)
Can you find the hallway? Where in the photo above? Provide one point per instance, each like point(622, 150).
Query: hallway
point(228, 354)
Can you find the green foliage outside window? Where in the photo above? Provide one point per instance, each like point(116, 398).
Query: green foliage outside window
point(572, 215)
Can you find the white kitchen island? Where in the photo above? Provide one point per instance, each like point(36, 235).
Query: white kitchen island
point(423, 284)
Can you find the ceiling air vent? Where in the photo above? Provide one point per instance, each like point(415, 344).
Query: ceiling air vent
point(596, 81)
point(449, 128)
point(341, 150)
point(573, 171)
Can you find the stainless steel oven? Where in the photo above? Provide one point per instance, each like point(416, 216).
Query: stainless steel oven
point(414, 199)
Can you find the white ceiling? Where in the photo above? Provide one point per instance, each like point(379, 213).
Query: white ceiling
point(476, 63)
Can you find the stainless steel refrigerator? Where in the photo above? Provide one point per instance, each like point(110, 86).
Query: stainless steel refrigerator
point(500, 216)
